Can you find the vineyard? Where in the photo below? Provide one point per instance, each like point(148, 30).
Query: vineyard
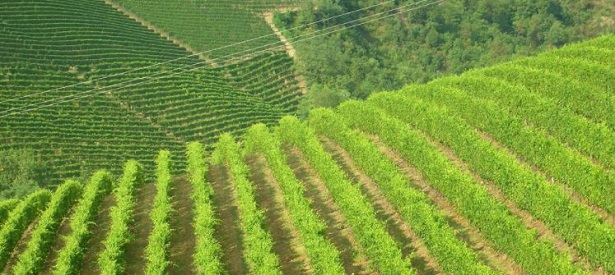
point(56, 96)
point(231, 22)
point(508, 169)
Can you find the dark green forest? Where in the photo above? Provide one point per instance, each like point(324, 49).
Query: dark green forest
point(21, 172)
point(415, 45)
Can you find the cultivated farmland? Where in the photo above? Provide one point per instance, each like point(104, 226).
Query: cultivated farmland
point(507, 169)
point(58, 99)
point(212, 26)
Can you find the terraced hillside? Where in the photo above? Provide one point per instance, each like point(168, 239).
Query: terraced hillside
point(87, 87)
point(211, 25)
point(507, 169)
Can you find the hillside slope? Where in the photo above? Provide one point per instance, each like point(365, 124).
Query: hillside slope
point(85, 87)
point(218, 27)
point(507, 169)
point(415, 41)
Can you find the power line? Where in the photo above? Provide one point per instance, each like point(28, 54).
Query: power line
point(265, 47)
point(194, 54)
point(54, 102)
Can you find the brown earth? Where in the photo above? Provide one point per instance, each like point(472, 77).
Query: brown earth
point(182, 244)
point(572, 194)
point(64, 230)
point(466, 231)
point(287, 244)
point(20, 246)
point(95, 245)
point(290, 49)
point(227, 232)
point(338, 231)
point(544, 232)
point(411, 244)
point(542, 228)
point(141, 228)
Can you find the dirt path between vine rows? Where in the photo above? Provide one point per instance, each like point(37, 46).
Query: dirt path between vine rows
point(572, 194)
point(575, 197)
point(402, 233)
point(141, 228)
point(544, 232)
point(352, 254)
point(290, 49)
point(182, 237)
point(64, 230)
point(20, 246)
point(286, 242)
point(99, 229)
point(466, 231)
point(227, 231)
point(161, 32)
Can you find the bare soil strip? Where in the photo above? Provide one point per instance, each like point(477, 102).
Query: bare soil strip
point(544, 232)
point(161, 32)
point(182, 243)
point(287, 244)
point(411, 244)
point(227, 232)
point(58, 243)
point(603, 214)
point(338, 231)
point(141, 228)
point(99, 233)
point(466, 231)
point(290, 49)
point(20, 246)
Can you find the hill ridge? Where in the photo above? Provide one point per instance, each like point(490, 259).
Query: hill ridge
point(503, 151)
point(148, 102)
point(161, 32)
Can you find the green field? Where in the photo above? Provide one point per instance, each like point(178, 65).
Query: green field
point(507, 169)
point(211, 26)
point(159, 95)
point(159, 159)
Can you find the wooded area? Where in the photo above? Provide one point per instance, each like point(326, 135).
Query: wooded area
point(415, 45)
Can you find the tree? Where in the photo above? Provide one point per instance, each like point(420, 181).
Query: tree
point(557, 35)
point(322, 96)
point(21, 172)
point(414, 45)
